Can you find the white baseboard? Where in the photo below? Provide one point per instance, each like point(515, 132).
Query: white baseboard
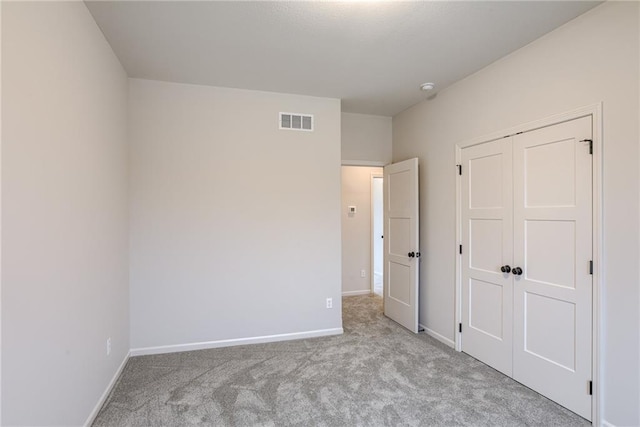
point(437, 336)
point(352, 293)
point(605, 423)
point(233, 342)
point(105, 395)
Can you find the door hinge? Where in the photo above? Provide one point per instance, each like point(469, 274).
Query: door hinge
point(590, 141)
point(460, 249)
point(460, 327)
point(459, 169)
point(590, 388)
point(590, 267)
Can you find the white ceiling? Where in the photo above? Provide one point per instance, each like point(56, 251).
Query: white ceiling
point(372, 55)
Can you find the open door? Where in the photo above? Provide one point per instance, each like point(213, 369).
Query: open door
point(401, 243)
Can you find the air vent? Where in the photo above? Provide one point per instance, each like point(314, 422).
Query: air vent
point(296, 121)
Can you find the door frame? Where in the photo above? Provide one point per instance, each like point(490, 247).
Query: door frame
point(372, 273)
point(595, 111)
point(369, 164)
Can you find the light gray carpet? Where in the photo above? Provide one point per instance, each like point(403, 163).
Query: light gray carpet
point(376, 374)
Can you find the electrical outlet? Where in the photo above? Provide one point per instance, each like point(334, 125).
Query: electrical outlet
point(363, 273)
point(329, 302)
point(109, 346)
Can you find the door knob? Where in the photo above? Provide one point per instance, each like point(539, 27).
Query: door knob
point(517, 271)
point(411, 254)
point(505, 269)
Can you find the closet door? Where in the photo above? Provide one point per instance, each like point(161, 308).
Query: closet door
point(553, 248)
point(487, 238)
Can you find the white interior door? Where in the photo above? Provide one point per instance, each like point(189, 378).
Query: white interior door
point(487, 292)
point(553, 248)
point(401, 250)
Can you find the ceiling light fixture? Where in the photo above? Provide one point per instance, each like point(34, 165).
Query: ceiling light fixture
point(427, 86)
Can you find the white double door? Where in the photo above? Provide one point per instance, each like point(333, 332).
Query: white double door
point(526, 259)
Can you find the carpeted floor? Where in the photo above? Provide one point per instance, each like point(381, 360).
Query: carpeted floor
point(376, 374)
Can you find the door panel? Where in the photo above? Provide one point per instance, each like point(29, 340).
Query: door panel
point(487, 245)
point(399, 230)
point(486, 190)
point(553, 246)
point(398, 291)
point(482, 295)
point(550, 173)
point(401, 238)
point(400, 188)
point(554, 267)
point(542, 314)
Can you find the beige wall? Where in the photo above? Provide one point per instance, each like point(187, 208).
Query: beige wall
point(591, 59)
point(356, 228)
point(64, 214)
point(235, 224)
point(366, 138)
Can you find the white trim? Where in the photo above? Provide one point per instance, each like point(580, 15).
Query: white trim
point(439, 337)
point(598, 267)
point(458, 256)
point(371, 163)
point(0, 217)
point(595, 111)
point(105, 395)
point(233, 342)
point(605, 423)
point(536, 124)
point(354, 293)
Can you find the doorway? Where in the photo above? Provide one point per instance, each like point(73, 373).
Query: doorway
point(362, 214)
point(360, 219)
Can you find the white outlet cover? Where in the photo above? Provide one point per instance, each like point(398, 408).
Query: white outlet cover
point(352, 209)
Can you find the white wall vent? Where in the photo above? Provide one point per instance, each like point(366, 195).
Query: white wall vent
point(296, 121)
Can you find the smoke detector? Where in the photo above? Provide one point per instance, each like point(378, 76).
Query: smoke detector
point(427, 86)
